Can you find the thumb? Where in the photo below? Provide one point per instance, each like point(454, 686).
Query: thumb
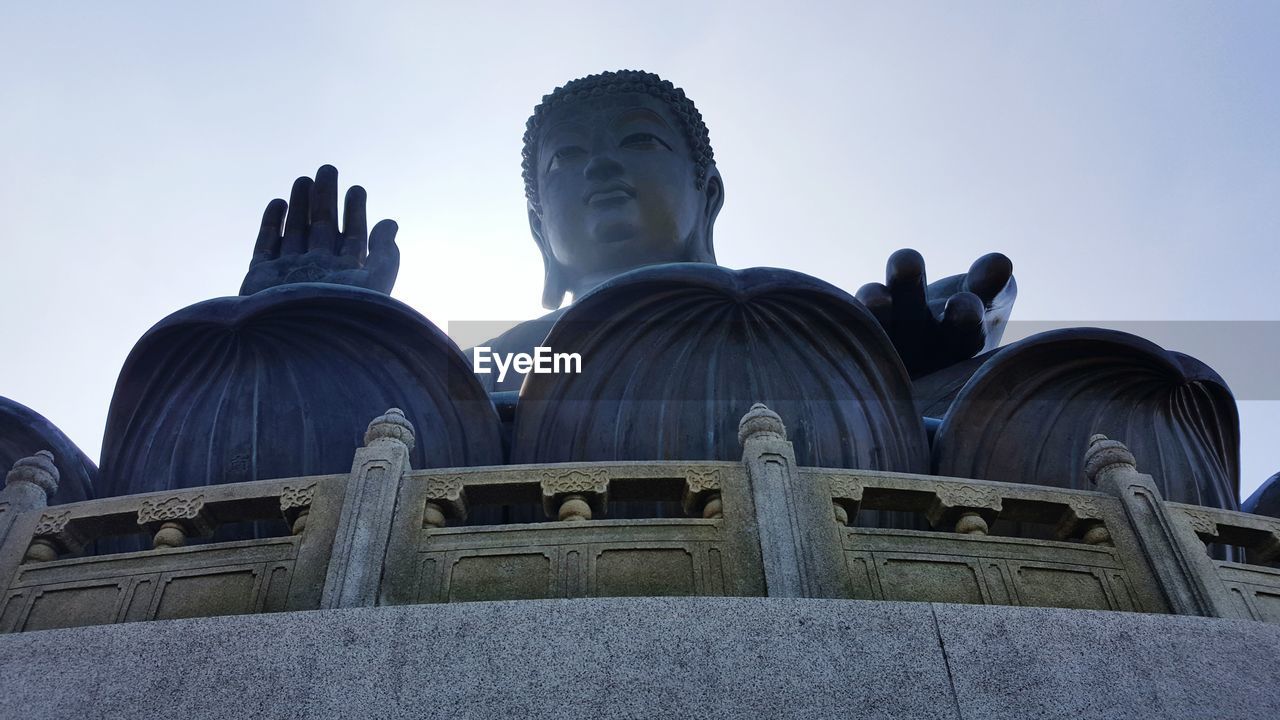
point(383, 263)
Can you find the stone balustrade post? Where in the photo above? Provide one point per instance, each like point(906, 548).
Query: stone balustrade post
point(27, 489)
point(1179, 561)
point(799, 542)
point(30, 484)
point(364, 526)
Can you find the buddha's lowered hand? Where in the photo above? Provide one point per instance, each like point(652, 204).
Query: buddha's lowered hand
point(311, 247)
point(936, 325)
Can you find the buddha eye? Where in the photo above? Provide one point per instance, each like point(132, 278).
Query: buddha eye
point(644, 141)
point(564, 155)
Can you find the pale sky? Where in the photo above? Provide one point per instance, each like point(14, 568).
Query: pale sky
point(1124, 155)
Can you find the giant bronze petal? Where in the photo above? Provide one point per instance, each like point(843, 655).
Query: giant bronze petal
point(24, 432)
point(283, 383)
point(673, 355)
point(1027, 414)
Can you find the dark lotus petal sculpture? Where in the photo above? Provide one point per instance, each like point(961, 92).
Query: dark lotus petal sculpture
point(673, 355)
point(1027, 413)
point(1266, 499)
point(24, 432)
point(283, 383)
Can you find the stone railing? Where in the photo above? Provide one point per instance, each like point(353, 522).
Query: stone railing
point(386, 534)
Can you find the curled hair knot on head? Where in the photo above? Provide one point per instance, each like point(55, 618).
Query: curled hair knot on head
point(616, 83)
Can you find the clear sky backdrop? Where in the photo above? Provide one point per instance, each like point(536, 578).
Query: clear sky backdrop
point(1126, 156)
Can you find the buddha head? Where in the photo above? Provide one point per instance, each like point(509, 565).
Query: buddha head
point(619, 174)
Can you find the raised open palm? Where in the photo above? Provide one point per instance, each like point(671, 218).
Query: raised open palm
point(312, 249)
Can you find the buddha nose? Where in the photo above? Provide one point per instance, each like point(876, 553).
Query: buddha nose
point(602, 166)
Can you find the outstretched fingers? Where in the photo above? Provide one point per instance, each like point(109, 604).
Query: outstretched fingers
point(384, 256)
point(268, 245)
point(295, 226)
point(988, 276)
point(878, 300)
point(355, 233)
point(905, 278)
point(322, 236)
point(963, 331)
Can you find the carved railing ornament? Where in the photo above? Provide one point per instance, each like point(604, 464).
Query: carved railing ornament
point(1104, 456)
point(444, 488)
point(174, 519)
point(1268, 551)
point(1085, 508)
point(446, 497)
point(702, 493)
point(391, 426)
point(846, 497)
point(292, 498)
point(1203, 523)
point(54, 535)
point(1083, 518)
point(972, 507)
point(1258, 535)
point(295, 505)
point(173, 508)
point(576, 494)
point(575, 481)
point(968, 496)
point(51, 524)
point(847, 489)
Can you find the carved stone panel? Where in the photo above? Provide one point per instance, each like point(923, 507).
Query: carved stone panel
point(295, 498)
point(505, 576)
point(186, 509)
point(74, 606)
point(593, 485)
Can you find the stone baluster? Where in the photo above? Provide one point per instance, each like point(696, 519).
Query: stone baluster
point(841, 515)
point(971, 522)
point(433, 515)
point(1096, 533)
point(1175, 554)
point(714, 507)
point(574, 508)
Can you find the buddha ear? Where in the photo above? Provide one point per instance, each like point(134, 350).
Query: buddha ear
point(713, 192)
point(553, 285)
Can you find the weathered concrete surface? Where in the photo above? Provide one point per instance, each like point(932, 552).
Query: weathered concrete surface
point(1036, 662)
point(651, 657)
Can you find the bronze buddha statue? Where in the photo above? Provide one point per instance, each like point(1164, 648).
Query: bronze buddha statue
point(622, 194)
point(620, 174)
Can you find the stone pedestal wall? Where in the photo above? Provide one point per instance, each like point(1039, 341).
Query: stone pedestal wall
point(651, 658)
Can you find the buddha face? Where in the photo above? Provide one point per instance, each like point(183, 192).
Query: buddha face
point(616, 185)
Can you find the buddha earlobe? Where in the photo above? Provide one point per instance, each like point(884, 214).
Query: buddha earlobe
point(714, 193)
point(553, 284)
point(553, 287)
